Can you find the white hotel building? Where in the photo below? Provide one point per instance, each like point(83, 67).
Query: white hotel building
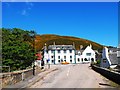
point(59, 53)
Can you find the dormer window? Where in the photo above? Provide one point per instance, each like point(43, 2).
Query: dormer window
point(58, 51)
point(79, 54)
point(70, 51)
point(64, 51)
point(88, 54)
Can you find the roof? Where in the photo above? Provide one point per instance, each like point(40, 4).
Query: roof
point(96, 51)
point(81, 51)
point(61, 47)
point(77, 52)
point(113, 49)
point(113, 58)
point(118, 49)
point(119, 60)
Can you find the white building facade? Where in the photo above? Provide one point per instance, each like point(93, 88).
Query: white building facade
point(56, 54)
point(86, 56)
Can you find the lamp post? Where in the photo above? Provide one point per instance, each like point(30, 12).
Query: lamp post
point(32, 34)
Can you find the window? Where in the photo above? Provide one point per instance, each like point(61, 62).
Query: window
point(52, 61)
point(92, 59)
point(64, 57)
point(59, 61)
point(38, 63)
point(85, 59)
point(82, 59)
point(104, 60)
point(65, 60)
point(70, 56)
point(70, 60)
point(78, 60)
point(51, 56)
point(64, 51)
point(52, 51)
point(70, 51)
point(58, 51)
point(58, 57)
point(88, 54)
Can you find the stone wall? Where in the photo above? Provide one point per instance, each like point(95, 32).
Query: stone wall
point(17, 76)
point(114, 76)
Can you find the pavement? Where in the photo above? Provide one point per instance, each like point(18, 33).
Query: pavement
point(32, 80)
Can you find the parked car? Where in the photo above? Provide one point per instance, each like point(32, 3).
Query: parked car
point(65, 62)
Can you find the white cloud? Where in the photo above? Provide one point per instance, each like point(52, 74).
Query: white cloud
point(24, 12)
point(28, 7)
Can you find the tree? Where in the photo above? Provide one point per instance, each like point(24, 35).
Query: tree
point(17, 48)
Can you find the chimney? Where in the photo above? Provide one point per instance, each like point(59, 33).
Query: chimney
point(90, 46)
point(54, 43)
point(45, 47)
point(73, 44)
point(81, 46)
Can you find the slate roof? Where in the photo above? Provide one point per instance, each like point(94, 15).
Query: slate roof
point(81, 51)
point(61, 47)
point(113, 58)
point(118, 49)
point(119, 60)
point(113, 49)
point(77, 52)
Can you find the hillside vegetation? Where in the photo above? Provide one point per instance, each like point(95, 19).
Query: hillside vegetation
point(49, 39)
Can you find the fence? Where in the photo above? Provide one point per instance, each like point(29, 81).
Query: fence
point(114, 76)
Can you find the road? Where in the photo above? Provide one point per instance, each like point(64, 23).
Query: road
point(73, 76)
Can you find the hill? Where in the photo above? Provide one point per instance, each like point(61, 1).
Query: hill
point(49, 39)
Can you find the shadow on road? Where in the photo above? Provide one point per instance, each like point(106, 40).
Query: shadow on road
point(104, 84)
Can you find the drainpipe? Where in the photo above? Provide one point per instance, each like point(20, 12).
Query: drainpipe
point(75, 56)
point(54, 56)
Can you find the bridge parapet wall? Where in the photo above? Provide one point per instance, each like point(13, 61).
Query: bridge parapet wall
point(17, 76)
point(112, 75)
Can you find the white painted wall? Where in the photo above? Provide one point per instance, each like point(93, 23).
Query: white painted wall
point(78, 57)
point(105, 56)
point(88, 50)
point(55, 55)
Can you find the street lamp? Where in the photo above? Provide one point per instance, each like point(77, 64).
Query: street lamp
point(32, 34)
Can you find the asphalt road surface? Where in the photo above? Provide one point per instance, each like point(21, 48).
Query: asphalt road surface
point(73, 76)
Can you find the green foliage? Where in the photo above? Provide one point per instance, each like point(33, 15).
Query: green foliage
point(98, 61)
point(17, 48)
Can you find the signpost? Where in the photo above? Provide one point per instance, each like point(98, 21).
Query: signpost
point(48, 63)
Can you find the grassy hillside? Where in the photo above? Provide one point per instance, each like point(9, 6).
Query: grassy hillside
point(49, 39)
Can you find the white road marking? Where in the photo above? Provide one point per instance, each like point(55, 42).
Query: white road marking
point(68, 71)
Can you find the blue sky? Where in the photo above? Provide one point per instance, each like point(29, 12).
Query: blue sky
point(97, 22)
